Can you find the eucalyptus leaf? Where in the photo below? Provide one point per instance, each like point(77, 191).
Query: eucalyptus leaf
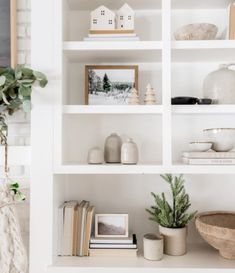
point(27, 72)
point(24, 91)
point(2, 80)
point(27, 106)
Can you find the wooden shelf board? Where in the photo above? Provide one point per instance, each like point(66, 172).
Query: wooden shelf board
point(112, 109)
point(205, 4)
point(203, 51)
point(179, 167)
point(125, 52)
point(200, 258)
point(203, 109)
point(109, 169)
point(90, 5)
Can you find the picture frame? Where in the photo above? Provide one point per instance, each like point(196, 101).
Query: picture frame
point(109, 84)
point(8, 37)
point(111, 226)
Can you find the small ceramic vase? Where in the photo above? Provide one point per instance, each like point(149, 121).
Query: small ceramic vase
point(129, 154)
point(174, 240)
point(220, 85)
point(112, 149)
point(95, 156)
point(153, 247)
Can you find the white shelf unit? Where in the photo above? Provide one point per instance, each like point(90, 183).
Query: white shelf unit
point(63, 128)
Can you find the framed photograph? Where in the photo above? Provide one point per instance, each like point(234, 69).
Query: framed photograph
point(109, 85)
point(8, 50)
point(111, 225)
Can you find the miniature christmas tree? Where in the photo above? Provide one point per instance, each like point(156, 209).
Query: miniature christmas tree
point(134, 97)
point(150, 97)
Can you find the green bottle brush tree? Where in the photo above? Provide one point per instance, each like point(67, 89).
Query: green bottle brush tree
point(175, 215)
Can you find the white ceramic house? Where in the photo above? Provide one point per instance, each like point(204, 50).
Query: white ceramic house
point(126, 18)
point(102, 18)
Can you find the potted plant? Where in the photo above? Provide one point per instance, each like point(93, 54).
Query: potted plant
point(172, 219)
point(15, 93)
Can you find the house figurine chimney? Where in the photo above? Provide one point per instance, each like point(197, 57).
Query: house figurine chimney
point(126, 18)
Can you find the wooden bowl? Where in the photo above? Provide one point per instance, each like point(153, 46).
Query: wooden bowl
point(218, 230)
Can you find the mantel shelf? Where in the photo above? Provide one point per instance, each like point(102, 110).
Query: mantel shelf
point(112, 109)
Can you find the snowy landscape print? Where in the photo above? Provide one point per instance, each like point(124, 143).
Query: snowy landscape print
point(110, 86)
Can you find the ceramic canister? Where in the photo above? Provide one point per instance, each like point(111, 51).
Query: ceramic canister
point(174, 240)
point(95, 156)
point(153, 247)
point(220, 85)
point(129, 154)
point(112, 149)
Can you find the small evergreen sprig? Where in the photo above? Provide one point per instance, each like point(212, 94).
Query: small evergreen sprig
point(174, 216)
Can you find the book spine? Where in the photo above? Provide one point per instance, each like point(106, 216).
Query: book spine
point(113, 246)
point(232, 22)
point(209, 161)
point(209, 155)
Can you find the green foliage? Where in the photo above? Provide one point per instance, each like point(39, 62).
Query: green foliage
point(16, 88)
point(106, 83)
point(174, 216)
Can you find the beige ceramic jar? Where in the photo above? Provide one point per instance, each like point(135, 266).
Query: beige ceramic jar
point(174, 240)
point(112, 149)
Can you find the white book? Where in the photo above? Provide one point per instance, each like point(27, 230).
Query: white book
point(198, 161)
point(126, 35)
point(68, 227)
point(94, 240)
point(113, 246)
point(60, 229)
point(210, 155)
point(90, 39)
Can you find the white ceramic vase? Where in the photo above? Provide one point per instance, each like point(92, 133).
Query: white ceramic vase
point(129, 152)
point(174, 240)
point(153, 247)
point(95, 156)
point(220, 85)
point(112, 149)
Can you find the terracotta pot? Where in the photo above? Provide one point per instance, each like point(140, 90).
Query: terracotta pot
point(174, 240)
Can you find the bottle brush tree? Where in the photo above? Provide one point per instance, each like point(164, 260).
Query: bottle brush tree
point(174, 215)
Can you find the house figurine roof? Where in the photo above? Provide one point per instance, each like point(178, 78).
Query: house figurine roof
point(126, 9)
point(97, 11)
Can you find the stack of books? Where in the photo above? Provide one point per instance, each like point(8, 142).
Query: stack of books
point(113, 247)
point(74, 229)
point(112, 35)
point(209, 158)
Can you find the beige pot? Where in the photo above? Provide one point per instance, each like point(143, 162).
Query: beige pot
point(174, 240)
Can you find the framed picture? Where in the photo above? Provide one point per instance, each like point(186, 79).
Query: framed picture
point(8, 51)
point(111, 225)
point(109, 85)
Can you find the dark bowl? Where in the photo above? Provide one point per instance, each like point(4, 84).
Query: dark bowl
point(204, 101)
point(184, 100)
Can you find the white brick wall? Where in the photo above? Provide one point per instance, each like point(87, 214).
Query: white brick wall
point(19, 128)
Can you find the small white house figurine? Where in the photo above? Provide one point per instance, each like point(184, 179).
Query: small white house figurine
point(150, 96)
point(102, 18)
point(126, 18)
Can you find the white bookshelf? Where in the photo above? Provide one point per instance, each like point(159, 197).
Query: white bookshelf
point(63, 128)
